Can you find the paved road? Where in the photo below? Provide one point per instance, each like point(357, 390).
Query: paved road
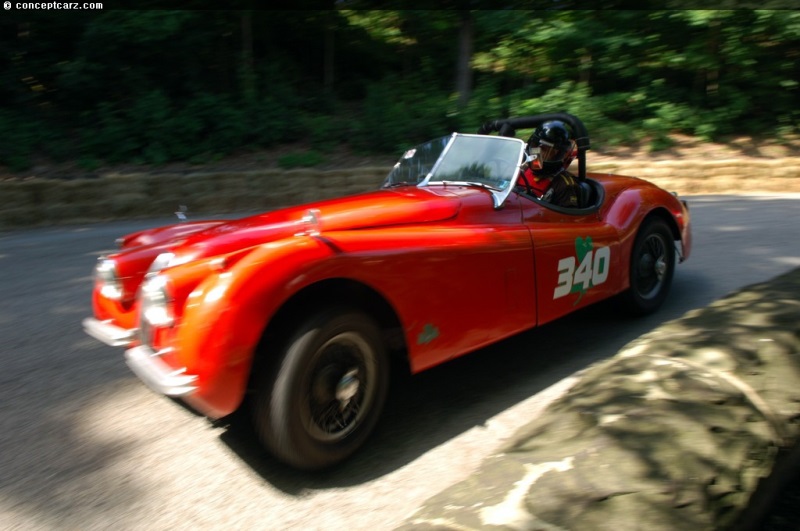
point(84, 445)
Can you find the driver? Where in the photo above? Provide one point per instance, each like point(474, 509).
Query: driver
point(551, 150)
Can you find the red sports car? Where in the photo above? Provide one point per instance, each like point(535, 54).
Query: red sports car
point(300, 310)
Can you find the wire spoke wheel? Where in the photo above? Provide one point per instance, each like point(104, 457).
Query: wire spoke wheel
point(323, 395)
point(341, 387)
point(652, 265)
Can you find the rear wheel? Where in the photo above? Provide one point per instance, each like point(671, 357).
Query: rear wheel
point(651, 269)
point(324, 396)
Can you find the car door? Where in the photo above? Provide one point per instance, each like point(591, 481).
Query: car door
point(576, 258)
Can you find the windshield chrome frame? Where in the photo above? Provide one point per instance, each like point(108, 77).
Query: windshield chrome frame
point(498, 196)
point(438, 162)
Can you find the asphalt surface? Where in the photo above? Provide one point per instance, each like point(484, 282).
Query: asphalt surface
point(84, 445)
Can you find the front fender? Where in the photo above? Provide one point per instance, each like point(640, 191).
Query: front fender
point(227, 313)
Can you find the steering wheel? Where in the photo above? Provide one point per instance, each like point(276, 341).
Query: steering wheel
point(523, 181)
point(503, 167)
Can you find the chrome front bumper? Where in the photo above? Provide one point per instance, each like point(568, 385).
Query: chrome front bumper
point(108, 333)
point(142, 360)
point(157, 375)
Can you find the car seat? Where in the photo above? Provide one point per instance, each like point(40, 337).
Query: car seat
point(586, 197)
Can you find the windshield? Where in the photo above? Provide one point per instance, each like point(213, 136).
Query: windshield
point(416, 163)
point(491, 162)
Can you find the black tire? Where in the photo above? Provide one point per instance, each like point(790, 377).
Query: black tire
point(652, 267)
point(324, 396)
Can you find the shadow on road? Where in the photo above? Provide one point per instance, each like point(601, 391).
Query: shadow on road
point(426, 410)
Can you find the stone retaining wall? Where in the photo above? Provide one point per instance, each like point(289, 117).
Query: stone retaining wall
point(52, 201)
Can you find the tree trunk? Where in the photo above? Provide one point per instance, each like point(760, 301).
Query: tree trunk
point(329, 53)
point(463, 69)
point(712, 72)
point(247, 70)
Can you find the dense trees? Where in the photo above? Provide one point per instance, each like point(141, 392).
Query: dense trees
point(155, 86)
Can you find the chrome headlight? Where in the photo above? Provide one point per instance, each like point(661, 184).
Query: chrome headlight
point(156, 303)
point(162, 261)
point(107, 279)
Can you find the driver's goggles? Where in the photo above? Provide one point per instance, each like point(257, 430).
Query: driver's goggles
point(549, 152)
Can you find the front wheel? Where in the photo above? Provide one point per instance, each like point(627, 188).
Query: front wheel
point(651, 268)
point(324, 396)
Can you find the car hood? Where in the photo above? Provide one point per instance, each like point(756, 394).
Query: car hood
point(194, 240)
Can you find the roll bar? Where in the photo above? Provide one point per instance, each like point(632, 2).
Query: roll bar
point(509, 127)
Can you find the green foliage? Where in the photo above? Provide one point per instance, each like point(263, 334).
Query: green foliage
point(486, 103)
point(88, 163)
point(575, 98)
point(156, 130)
point(160, 86)
point(660, 142)
point(306, 159)
point(668, 116)
point(398, 113)
point(19, 141)
point(325, 132)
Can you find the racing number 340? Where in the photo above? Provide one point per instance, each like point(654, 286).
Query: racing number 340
point(593, 270)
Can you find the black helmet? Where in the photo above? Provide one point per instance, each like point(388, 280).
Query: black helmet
point(552, 148)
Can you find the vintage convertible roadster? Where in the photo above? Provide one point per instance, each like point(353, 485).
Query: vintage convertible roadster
point(300, 310)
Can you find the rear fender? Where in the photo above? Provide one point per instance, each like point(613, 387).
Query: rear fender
point(630, 208)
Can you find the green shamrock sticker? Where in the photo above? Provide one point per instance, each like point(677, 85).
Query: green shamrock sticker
point(428, 334)
point(583, 248)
